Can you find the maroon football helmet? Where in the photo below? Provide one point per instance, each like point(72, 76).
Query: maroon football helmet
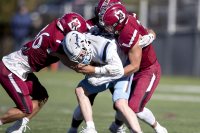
point(104, 4)
point(72, 22)
point(114, 18)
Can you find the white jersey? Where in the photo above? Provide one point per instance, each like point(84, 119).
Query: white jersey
point(17, 63)
point(101, 48)
point(105, 53)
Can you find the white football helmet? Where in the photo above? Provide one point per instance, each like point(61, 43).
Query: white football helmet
point(77, 47)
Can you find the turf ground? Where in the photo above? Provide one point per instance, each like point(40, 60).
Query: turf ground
point(176, 103)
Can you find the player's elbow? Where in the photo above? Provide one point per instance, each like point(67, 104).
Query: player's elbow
point(137, 68)
point(136, 65)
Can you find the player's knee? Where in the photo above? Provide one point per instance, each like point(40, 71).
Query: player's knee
point(42, 102)
point(42, 98)
point(79, 92)
point(120, 104)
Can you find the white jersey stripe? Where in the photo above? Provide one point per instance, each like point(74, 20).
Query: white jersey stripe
point(151, 83)
point(133, 37)
point(14, 83)
point(129, 83)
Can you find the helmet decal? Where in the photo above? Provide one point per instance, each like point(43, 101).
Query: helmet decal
point(120, 16)
point(74, 24)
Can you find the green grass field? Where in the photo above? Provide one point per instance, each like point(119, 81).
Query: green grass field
point(176, 104)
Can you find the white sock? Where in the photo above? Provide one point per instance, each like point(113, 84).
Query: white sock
point(158, 126)
point(147, 116)
point(90, 124)
point(1, 123)
point(25, 120)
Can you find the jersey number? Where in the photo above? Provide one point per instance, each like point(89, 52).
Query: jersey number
point(38, 41)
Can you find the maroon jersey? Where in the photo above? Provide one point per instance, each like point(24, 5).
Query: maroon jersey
point(37, 50)
point(129, 37)
point(93, 21)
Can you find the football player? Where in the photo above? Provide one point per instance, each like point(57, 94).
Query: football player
point(144, 63)
point(17, 77)
point(146, 40)
point(105, 66)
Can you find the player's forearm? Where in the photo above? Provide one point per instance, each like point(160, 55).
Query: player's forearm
point(135, 56)
point(130, 69)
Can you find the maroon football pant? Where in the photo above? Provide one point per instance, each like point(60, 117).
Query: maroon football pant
point(143, 86)
point(22, 92)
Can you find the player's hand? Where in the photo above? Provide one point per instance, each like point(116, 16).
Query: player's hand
point(85, 69)
point(150, 31)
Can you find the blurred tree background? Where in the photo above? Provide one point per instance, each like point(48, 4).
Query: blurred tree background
point(9, 7)
point(176, 22)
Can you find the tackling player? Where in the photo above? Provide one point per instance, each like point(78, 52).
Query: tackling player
point(148, 60)
point(144, 63)
point(17, 77)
